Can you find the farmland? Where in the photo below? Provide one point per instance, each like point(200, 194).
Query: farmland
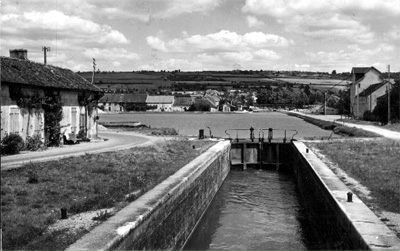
point(148, 80)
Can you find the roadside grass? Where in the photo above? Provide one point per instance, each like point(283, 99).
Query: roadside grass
point(33, 195)
point(336, 128)
point(374, 163)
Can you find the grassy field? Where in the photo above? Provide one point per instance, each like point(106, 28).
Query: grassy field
point(32, 196)
point(375, 164)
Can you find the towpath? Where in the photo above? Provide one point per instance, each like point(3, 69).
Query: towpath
point(113, 141)
point(376, 129)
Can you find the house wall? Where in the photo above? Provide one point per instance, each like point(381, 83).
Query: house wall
point(180, 108)
point(370, 77)
point(18, 120)
point(162, 107)
point(374, 96)
point(112, 107)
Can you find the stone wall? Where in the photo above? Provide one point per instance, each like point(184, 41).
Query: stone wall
point(352, 225)
point(164, 217)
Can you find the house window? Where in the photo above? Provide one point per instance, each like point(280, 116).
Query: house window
point(14, 120)
point(74, 123)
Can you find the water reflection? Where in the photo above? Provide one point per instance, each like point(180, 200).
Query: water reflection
point(253, 210)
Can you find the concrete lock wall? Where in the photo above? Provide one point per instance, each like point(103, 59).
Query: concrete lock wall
point(164, 217)
point(352, 225)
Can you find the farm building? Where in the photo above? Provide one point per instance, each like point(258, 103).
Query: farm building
point(122, 102)
point(44, 100)
point(161, 103)
point(182, 104)
point(367, 84)
point(111, 102)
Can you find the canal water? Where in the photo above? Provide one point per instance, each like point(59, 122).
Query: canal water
point(190, 123)
point(253, 210)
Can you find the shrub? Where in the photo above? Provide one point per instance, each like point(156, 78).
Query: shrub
point(369, 116)
point(11, 144)
point(33, 143)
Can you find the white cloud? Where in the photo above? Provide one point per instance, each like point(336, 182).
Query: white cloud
point(156, 43)
point(223, 41)
point(173, 64)
point(54, 22)
point(253, 22)
point(288, 8)
point(110, 54)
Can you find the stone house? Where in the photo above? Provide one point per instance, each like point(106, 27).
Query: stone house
point(161, 103)
point(25, 85)
point(123, 102)
point(111, 102)
point(366, 86)
point(182, 104)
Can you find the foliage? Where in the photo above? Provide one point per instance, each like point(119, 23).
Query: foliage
point(33, 143)
point(280, 96)
point(11, 143)
point(381, 109)
point(89, 100)
point(200, 107)
point(53, 115)
point(24, 100)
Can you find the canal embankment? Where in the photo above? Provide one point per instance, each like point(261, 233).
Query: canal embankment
point(342, 211)
point(164, 217)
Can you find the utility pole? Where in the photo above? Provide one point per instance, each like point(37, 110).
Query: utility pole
point(94, 69)
point(45, 49)
point(388, 90)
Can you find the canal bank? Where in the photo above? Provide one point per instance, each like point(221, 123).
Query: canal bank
point(165, 217)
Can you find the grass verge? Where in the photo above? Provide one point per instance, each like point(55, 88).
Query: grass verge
point(375, 164)
point(33, 195)
point(337, 128)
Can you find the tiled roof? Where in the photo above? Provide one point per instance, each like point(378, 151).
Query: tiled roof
point(160, 99)
point(371, 89)
point(36, 74)
point(134, 98)
point(111, 98)
point(183, 101)
point(358, 70)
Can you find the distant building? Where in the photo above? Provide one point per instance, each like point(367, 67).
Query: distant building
point(182, 104)
point(367, 84)
point(123, 102)
point(27, 81)
point(161, 103)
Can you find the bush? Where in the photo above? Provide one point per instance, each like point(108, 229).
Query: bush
point(11, 144)
point(369, 116)
point(33, 143)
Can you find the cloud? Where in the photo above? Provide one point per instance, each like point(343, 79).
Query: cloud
point(110, 54)
point(36, 24)
point(173, 64)
point(288, 8)
point(156, 43)
point(253, 22)
point(354, 21)
point(223, 41)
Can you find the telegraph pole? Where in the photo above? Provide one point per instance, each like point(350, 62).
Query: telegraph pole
point(45, 50)
point(388, 90)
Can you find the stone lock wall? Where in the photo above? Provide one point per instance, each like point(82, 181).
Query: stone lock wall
point(164, 217)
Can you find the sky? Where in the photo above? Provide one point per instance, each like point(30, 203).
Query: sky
point(197, 35)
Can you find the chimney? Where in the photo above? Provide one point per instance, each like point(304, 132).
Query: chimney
point(19, 53)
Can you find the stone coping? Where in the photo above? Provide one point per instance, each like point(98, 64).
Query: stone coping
point(370, 228)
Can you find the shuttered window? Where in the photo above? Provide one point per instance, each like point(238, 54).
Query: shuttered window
point(15, 124)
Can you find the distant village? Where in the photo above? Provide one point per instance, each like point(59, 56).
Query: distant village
point(47, 101)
